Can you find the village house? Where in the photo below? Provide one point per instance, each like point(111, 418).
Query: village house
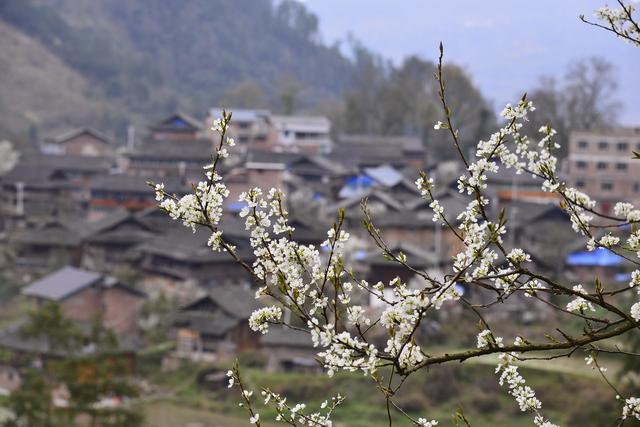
point(176, 127)
point(289, 350)
point(86, 295)
point(384, 177)
point(41, 185)
point(108, 242)
point(180, 264)
point(114, 192)
point(79, 142)
point(41, 246)
point(251, 129)
point(163, 158)
point(413, 224)
point(382, 269)
point(374, 150)
point(302, 134)
point(215, 326)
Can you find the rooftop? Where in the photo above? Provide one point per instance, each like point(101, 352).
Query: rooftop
point(62, 283)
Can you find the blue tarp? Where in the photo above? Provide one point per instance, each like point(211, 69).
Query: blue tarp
point(600, 257)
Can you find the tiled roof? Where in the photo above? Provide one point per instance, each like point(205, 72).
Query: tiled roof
point(62, 283)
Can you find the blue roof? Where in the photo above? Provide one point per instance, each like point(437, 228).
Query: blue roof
point(600, 257)
point(178, 122)
point(361, 181)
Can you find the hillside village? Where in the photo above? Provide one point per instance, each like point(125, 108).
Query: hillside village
point(81, 228)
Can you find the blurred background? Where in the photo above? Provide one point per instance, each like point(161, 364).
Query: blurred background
point(111, 314)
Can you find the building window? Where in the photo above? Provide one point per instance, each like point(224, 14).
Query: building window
point(584, 144)
point(581, 165)
point(621, 166)
point(602, 165)
point(623, 146)
point(636, 187)
point(580, 184)
point(603, 145)
point(606, 186)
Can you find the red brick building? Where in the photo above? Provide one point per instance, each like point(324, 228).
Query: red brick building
point(85, 295)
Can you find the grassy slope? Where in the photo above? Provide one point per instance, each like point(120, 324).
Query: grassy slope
point(37, 87)
point(567, 397)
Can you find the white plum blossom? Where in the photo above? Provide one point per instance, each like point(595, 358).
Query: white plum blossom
point(423, 422)
point(260, 319)
point(635, 311)
point(580, 304)
point(631, 408)
point(609, 240)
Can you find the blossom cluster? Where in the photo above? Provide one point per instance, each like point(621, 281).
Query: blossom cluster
point(620, 21)
point(524, 395)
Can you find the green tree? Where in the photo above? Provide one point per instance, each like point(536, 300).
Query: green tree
point(87, 364)
point(246, 94)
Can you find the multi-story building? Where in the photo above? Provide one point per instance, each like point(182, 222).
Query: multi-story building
point(303, 134)
point(601, 164)
point(250, 128)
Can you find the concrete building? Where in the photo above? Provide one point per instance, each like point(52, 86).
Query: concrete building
point(304, 134)
point(601, 164)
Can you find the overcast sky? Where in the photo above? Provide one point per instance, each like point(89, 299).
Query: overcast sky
point(505, 44)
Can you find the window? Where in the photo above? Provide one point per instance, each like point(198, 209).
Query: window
point(621, 166)
point(602, 165)
point(581, 165)
point(580, 184)
point(606, 186)
point(584, 144)
point(622, 146)
point(603, 145)
point(636, 187)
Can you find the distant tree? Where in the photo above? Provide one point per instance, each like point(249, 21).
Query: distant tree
point(289, 89)
point(31, 403)
point(403, 100)
point(363, 103)
point(296, 16)
point(585, 98)
point(86, 364)
point(246, 94)
point(473, 114)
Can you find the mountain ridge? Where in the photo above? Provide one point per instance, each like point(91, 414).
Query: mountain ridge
point(115, 62)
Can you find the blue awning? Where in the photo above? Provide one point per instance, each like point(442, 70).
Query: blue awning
point(600, 257)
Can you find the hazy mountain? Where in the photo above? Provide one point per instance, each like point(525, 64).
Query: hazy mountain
point(105, 62)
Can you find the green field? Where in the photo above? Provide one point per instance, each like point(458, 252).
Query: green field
point(566, 387)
